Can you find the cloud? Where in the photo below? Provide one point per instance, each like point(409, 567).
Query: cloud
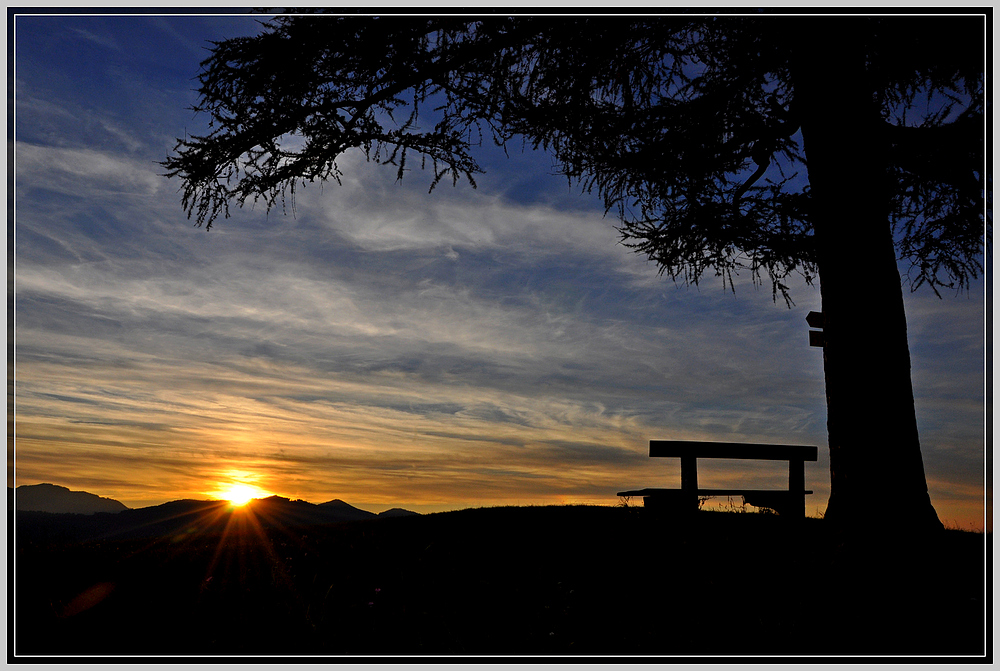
point(378, 214)
point(105, 41)
point(82, 172)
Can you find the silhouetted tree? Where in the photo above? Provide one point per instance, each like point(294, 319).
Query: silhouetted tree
point(819, 147)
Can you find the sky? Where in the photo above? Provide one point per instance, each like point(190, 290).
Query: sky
point(381, 344)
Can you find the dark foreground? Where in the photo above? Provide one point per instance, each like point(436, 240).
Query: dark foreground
point(547, 580)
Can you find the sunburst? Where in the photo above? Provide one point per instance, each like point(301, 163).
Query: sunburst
point(239, 494)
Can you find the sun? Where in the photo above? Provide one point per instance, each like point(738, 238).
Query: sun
point(239, 495)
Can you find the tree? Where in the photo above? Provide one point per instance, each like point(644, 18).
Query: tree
point(783, 146)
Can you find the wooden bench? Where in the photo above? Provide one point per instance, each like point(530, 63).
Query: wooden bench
point(789, 502)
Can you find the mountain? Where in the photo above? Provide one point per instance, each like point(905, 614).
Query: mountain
point(50, 498)
point(51, 513)
point(397, 512)
point(345, 510)
point(187, 517)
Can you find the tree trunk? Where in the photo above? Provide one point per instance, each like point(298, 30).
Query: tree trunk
point(877, 477)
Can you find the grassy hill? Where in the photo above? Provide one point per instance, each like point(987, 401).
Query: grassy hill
point(566, 580)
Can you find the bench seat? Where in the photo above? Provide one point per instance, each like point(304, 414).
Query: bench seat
point(781, 501)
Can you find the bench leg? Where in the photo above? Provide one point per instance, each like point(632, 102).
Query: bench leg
point(797, 488)
point(689, 473)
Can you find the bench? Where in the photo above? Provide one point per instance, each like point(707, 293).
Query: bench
point(788, 502)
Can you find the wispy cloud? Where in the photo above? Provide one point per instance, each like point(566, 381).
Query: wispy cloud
point(103, 40)
point(83, 172)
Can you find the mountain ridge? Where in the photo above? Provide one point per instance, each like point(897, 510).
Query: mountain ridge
point(179, 518)
point(46, 497)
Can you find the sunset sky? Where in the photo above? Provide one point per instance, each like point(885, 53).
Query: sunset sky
point(382, 345)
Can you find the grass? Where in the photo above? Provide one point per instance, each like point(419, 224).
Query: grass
point(559, 580)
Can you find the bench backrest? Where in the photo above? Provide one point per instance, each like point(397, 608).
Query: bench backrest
point(710, 450)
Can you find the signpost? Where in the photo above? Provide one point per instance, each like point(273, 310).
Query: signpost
point(815, 320)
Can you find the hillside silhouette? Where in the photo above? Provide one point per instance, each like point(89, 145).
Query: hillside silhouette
point(51, 498)
point(562, 580)
point(185, 517)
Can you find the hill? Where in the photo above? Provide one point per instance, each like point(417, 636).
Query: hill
point(397, 512)
point(184, 517)
point(51, 513)
point(564, 580)
point(345, 511)
point(56, 499)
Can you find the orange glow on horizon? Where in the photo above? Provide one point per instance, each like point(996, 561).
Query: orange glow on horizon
point(239, 494)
